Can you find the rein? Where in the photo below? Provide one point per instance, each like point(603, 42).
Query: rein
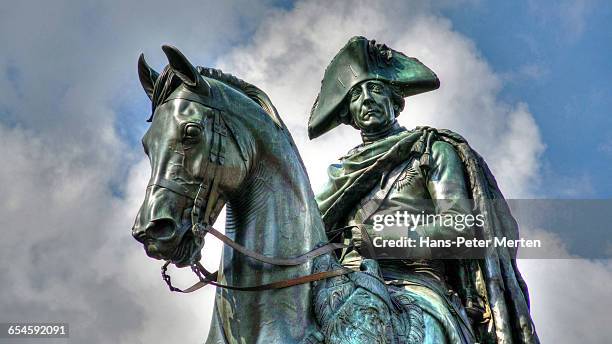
point(207, 196)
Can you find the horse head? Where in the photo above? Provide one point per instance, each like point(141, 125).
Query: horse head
point(215, 139)
point(193, 162)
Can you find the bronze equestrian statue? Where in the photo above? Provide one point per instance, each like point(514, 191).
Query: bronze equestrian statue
point(216, 140)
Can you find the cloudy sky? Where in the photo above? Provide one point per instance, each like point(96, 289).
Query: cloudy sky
point(527, 83)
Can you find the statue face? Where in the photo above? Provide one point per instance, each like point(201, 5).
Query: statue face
point(371, 106)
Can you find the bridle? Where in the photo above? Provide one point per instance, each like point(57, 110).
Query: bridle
point(206, 197)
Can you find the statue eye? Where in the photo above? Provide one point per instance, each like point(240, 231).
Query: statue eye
point(355, 93)
point(376, 88)
point(192, 132)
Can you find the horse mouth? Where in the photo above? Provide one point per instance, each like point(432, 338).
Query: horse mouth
point(180, 254)
point(184, 252)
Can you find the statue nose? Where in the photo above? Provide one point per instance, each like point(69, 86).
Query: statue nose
point(160, 229)
point(138, 233)
point(367, 100)
point(367, 94)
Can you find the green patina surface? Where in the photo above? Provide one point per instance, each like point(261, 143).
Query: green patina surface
point(211, 131)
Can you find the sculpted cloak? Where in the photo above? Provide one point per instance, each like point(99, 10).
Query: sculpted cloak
point(495, 279)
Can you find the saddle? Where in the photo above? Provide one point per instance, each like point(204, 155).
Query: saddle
point(359, 308)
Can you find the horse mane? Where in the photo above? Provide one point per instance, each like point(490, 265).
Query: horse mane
point(255, 94)
point(248, 89)
point(168, 81)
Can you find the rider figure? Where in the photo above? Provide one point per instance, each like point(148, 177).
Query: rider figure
point(398, 171)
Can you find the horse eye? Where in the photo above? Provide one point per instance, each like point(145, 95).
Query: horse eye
point(192, 131)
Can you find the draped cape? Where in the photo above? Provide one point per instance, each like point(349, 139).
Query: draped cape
point(495, 277)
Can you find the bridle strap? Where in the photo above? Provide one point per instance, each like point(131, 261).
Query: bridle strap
point(274, 285)
point(206, 277)
point(202, 225)
point(212, 277)
point(174, 187)
point(217, 158)
point(276, 261)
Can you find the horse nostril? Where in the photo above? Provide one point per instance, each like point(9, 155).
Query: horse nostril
point(160, 229)
point(138, 234)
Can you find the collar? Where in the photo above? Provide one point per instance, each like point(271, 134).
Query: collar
point(392, 129)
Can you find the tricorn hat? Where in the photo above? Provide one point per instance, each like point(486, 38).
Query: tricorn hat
point(360, 60)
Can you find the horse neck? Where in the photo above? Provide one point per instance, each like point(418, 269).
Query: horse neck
point(274, 211)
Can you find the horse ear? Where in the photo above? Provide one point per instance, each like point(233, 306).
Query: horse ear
point(185, 70)
point(182, 67)
point(147, 76)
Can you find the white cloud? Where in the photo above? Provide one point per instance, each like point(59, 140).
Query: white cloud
point(570, 299)
point(67, 74)
point(289, 65)
point(287, 58)
point(64, 75)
